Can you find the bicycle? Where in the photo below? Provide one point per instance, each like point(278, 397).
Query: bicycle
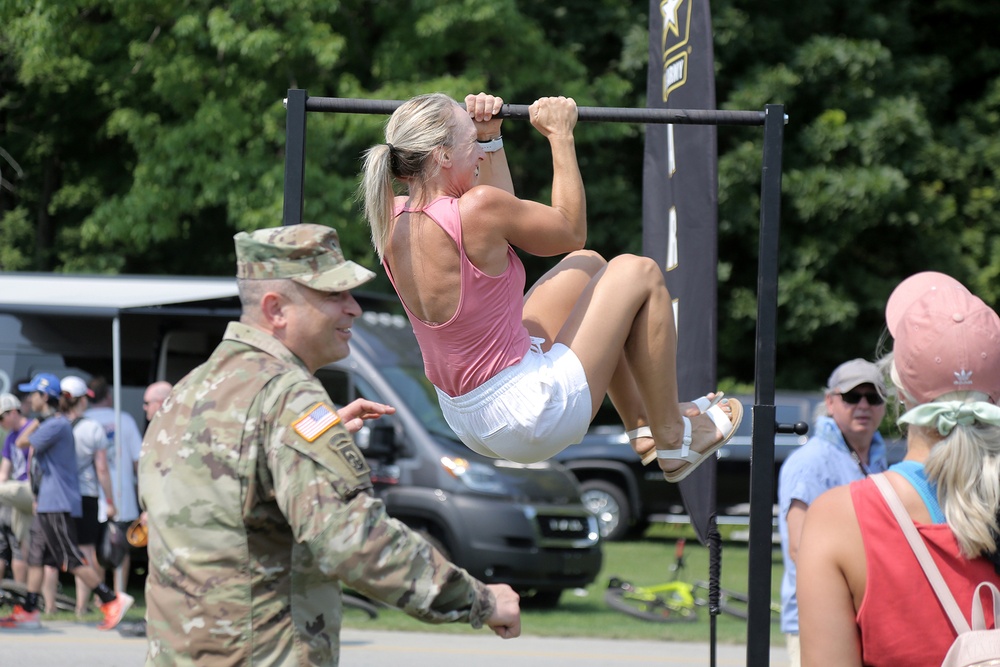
point(676, 600)
point(12, 593)
point(671, 602)
point(666, 603)
point(733, 603)
point(354, 600)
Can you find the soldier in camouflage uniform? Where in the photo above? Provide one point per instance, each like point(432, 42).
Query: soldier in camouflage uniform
point(260, 504)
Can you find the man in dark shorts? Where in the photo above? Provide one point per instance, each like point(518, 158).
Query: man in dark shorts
point(93, 474)
point(53, 533)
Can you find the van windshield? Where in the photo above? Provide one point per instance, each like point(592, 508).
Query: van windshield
point(416, 391)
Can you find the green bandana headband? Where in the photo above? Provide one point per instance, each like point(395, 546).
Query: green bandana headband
point(946, 415)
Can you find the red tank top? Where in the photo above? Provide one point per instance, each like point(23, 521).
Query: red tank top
point(900, 619)
point(485, 335)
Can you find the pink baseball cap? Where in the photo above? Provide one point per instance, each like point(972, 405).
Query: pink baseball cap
point(945, 338)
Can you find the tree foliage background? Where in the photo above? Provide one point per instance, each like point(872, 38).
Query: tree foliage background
point(137, 136)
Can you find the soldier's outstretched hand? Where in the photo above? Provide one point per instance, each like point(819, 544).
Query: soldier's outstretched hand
point(356, 413)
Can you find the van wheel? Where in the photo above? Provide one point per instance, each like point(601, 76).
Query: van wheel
point(610, 505)
point(542, 600)
point(638, 529)
point(436, 543)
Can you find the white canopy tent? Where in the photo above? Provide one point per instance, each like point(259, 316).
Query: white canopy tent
point(110, 297)
point(40, 292)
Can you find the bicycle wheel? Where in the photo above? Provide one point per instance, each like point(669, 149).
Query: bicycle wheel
point(352, 602)
point(733, 603)
point(15, 593)
point(649, 608)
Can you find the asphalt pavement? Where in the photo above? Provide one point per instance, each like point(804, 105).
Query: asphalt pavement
point(65, 644)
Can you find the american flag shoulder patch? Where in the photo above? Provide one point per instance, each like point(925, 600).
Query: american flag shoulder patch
point(317, 421)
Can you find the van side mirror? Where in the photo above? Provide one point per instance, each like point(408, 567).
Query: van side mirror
point(377, 440)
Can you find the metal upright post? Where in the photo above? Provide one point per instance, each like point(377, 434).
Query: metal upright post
point(762, 451)
point(295, 156)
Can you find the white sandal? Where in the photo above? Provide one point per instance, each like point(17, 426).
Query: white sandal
point(643, 432)
point(726, 424)
point(703, 404)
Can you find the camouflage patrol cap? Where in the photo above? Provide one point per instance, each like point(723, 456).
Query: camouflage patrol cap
point(306, 253)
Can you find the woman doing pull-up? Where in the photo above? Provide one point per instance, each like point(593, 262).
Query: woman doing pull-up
point(520, 376)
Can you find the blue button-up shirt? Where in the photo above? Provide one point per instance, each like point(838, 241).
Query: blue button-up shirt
point(822, 463)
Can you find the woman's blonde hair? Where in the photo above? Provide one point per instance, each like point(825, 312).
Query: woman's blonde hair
point(412, 133)
point(965, 466)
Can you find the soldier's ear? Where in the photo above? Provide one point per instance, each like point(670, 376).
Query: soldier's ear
point(272, 310)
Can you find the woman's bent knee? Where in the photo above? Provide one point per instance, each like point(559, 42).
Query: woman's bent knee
point(584, 260)
point(587, 254)
point(640, 271)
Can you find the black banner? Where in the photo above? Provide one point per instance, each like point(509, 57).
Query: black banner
point(680, 207)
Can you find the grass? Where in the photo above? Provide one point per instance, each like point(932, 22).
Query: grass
point(583, 613)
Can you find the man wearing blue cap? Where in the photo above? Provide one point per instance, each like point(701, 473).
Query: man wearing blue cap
point(53, 532)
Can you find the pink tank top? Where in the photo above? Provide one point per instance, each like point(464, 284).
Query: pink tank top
point(900, 619)
point(485, 335)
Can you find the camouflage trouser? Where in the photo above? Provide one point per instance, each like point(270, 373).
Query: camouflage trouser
point(17, 497)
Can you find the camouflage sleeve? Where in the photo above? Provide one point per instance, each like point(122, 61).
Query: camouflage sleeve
point(322, 484)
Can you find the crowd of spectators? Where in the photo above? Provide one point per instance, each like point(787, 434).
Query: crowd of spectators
point(87, 485)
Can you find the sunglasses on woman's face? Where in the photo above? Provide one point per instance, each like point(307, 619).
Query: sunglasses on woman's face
point(854, 397)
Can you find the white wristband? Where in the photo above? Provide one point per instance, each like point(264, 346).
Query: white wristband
point(493, 145)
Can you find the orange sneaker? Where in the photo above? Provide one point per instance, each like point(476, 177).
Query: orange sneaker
point(114, 611)
point(22, 619)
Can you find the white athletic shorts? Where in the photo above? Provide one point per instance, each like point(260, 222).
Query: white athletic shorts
point(528, 412)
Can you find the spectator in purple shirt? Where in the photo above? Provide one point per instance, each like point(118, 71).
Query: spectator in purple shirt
point(16, 500)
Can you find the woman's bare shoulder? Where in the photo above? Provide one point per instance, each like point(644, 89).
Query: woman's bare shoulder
point(485, 210)
point(484, 197)
point(832, 505)
point(835, 497)
point(831, 524)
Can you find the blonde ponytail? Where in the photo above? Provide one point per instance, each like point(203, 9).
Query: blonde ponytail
point(413, 132)
point(377, 195)
point(965, 465)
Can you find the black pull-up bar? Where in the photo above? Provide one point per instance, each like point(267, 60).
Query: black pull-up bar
point(298, 103)
point(773, 118)
point(597, 114)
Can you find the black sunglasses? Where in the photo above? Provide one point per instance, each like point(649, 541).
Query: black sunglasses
point(854, 397)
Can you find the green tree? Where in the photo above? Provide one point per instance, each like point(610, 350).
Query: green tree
point(138, 136)
point(886, 166)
